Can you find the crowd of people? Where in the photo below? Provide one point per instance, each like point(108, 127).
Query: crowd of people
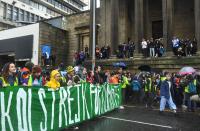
point(183, 47)
point(79, 57)
point(126, 50)
point(103, 52)
point(143, 88)
point(149, 48)
point(152, 48)
point(173, 88)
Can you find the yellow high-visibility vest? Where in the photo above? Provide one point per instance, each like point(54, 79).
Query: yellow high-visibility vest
point(146, 89)
point(5, 84)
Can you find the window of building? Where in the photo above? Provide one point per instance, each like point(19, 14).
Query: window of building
point(32, 17)
point(21, 14)
point(9, 12)
point(26, 16)
point(25, 1)
point(36, 18)
point(34, 4)
point(15, 14)
point(56, 4)
point(3, 7)
point(41, 7)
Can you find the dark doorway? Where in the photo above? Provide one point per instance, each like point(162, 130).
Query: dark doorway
point(157, 29)
point(20, 63)
point(4, 59)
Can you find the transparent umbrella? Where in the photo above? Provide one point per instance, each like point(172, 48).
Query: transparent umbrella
point(187, 70)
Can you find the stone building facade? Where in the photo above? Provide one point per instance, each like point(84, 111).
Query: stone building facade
point(57, 39)
point(122, 20)
point(137, 19)
point(78, 27)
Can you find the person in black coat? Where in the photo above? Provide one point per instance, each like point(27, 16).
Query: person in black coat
point(97, 76)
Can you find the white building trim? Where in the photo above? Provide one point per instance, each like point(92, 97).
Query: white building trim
point(25, 31)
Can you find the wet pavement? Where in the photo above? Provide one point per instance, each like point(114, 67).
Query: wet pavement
point(138, 118)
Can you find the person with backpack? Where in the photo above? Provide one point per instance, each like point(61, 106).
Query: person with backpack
point(190, 90)
point(196, 97)
point(136, 87)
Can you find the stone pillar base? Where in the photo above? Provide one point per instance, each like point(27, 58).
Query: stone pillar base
point(169, 54)
point(198, 53)
point(138, 55)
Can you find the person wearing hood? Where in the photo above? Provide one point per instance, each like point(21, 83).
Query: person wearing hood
point(25, 73)
point(54, 82)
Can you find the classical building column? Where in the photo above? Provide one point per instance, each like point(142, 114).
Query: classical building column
point(168, 16)
point(105, 23)
point(114, 25)
point(139, 23)
point(123, 14)
point(147, 25)
point(197, 22)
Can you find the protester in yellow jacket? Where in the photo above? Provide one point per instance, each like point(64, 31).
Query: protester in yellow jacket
point(54, 80)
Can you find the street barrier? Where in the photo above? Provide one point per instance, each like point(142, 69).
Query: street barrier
point(42, 109)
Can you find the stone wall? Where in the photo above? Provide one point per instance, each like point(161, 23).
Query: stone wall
point(184, 21)
point(78, 26)
point(74, 27)
point(170, 64)
point(57, 39)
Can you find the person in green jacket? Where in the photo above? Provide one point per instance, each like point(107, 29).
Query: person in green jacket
point(124, 83)
point(149, 90)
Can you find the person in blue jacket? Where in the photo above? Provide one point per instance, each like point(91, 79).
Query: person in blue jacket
point(165, 94)
point(136, 86)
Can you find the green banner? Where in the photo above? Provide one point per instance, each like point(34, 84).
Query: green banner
point(42, 109)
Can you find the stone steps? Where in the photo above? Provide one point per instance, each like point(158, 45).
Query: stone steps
point(170, 63)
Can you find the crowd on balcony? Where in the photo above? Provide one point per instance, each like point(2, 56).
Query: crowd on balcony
point(184, 47)
point(152, 48)
point(149, 48)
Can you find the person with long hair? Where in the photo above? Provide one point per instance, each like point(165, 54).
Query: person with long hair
point(36, 79)
point(8, 75)
point(90, 77)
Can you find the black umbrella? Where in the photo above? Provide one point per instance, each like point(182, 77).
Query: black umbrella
point(145, 68)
